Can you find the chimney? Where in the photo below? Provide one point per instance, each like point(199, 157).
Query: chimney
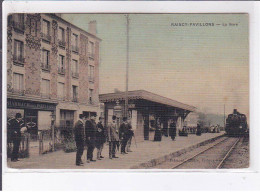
point(92, 27)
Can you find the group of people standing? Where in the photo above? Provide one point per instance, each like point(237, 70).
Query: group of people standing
point(93, 135)
point(158, 132)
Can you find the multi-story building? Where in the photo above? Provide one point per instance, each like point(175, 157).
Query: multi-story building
point(52, 68)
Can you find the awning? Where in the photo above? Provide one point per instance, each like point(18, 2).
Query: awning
point(142, 94)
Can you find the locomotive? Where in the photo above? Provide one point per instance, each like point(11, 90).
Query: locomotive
point(236, 124)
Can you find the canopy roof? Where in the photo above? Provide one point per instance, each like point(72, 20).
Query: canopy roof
point(145, 95)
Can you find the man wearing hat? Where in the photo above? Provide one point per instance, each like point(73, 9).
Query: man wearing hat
point(15, 126)
point(100, 138)
point(90, 131)
point(113, 137)
point(123, 135)
point(79, 139)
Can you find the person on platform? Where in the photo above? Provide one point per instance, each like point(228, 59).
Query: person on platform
point(90, 132)
point(158, 132)
point(198, 130)
point(130, 135)
point(123, 135)
point(113, 137)
point(172, 129)
point(15, 126)
point(100, 138)
point(79, 139)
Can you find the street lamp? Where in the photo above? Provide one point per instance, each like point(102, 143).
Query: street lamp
point(53, 117)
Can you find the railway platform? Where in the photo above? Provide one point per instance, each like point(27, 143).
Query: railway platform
point(144, 155)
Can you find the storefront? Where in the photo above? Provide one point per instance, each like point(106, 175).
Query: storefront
point(36, 115)
point(145, 109)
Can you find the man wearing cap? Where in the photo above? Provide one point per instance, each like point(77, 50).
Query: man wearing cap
point(79, 138)
point(90, 132)
point(15, 126)
point(113, 137)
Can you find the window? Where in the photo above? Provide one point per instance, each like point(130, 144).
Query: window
point(45, 88)
point(75, 43)
point(66, 119)
point(46, 27)
point(61, 65)
point(61, 37)
point(18, 22)
point(90, 96)
point(46, 30)
point(91, 73)
point(61, 91)
point(75, 93)
point(18, 83)
point(18, 52)
point(74, 69)
point(45, 60)
point(91, 49)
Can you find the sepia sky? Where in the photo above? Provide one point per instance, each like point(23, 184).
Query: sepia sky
point(204, 66)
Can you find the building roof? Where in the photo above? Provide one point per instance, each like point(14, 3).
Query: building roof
point(72, 25)
point(142, 94)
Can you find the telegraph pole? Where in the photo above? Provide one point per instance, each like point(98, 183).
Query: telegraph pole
point(127, 64)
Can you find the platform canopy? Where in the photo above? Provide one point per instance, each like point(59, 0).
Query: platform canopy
point(145, 95)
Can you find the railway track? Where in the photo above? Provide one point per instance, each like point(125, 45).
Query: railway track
point(215, 154)
point(209, 156)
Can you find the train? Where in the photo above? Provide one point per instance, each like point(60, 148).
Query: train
point(236, 124)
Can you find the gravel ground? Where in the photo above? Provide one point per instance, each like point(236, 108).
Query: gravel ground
point(239, 157)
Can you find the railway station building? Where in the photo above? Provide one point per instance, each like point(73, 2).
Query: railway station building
point(52, 68)
point(144, 108)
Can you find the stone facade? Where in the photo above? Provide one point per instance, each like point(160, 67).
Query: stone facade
point(33, 39)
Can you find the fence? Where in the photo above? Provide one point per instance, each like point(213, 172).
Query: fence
point(24, 149)
point(42, 143)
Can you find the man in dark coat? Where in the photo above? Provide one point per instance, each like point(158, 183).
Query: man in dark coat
point(90, 132)
point(198, 132)
point(123, 135)
point(79, 138)
point(172, 129)
point(15, 126)
point(100, 138)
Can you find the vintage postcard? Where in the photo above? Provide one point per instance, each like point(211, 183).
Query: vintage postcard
point(127, 91)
